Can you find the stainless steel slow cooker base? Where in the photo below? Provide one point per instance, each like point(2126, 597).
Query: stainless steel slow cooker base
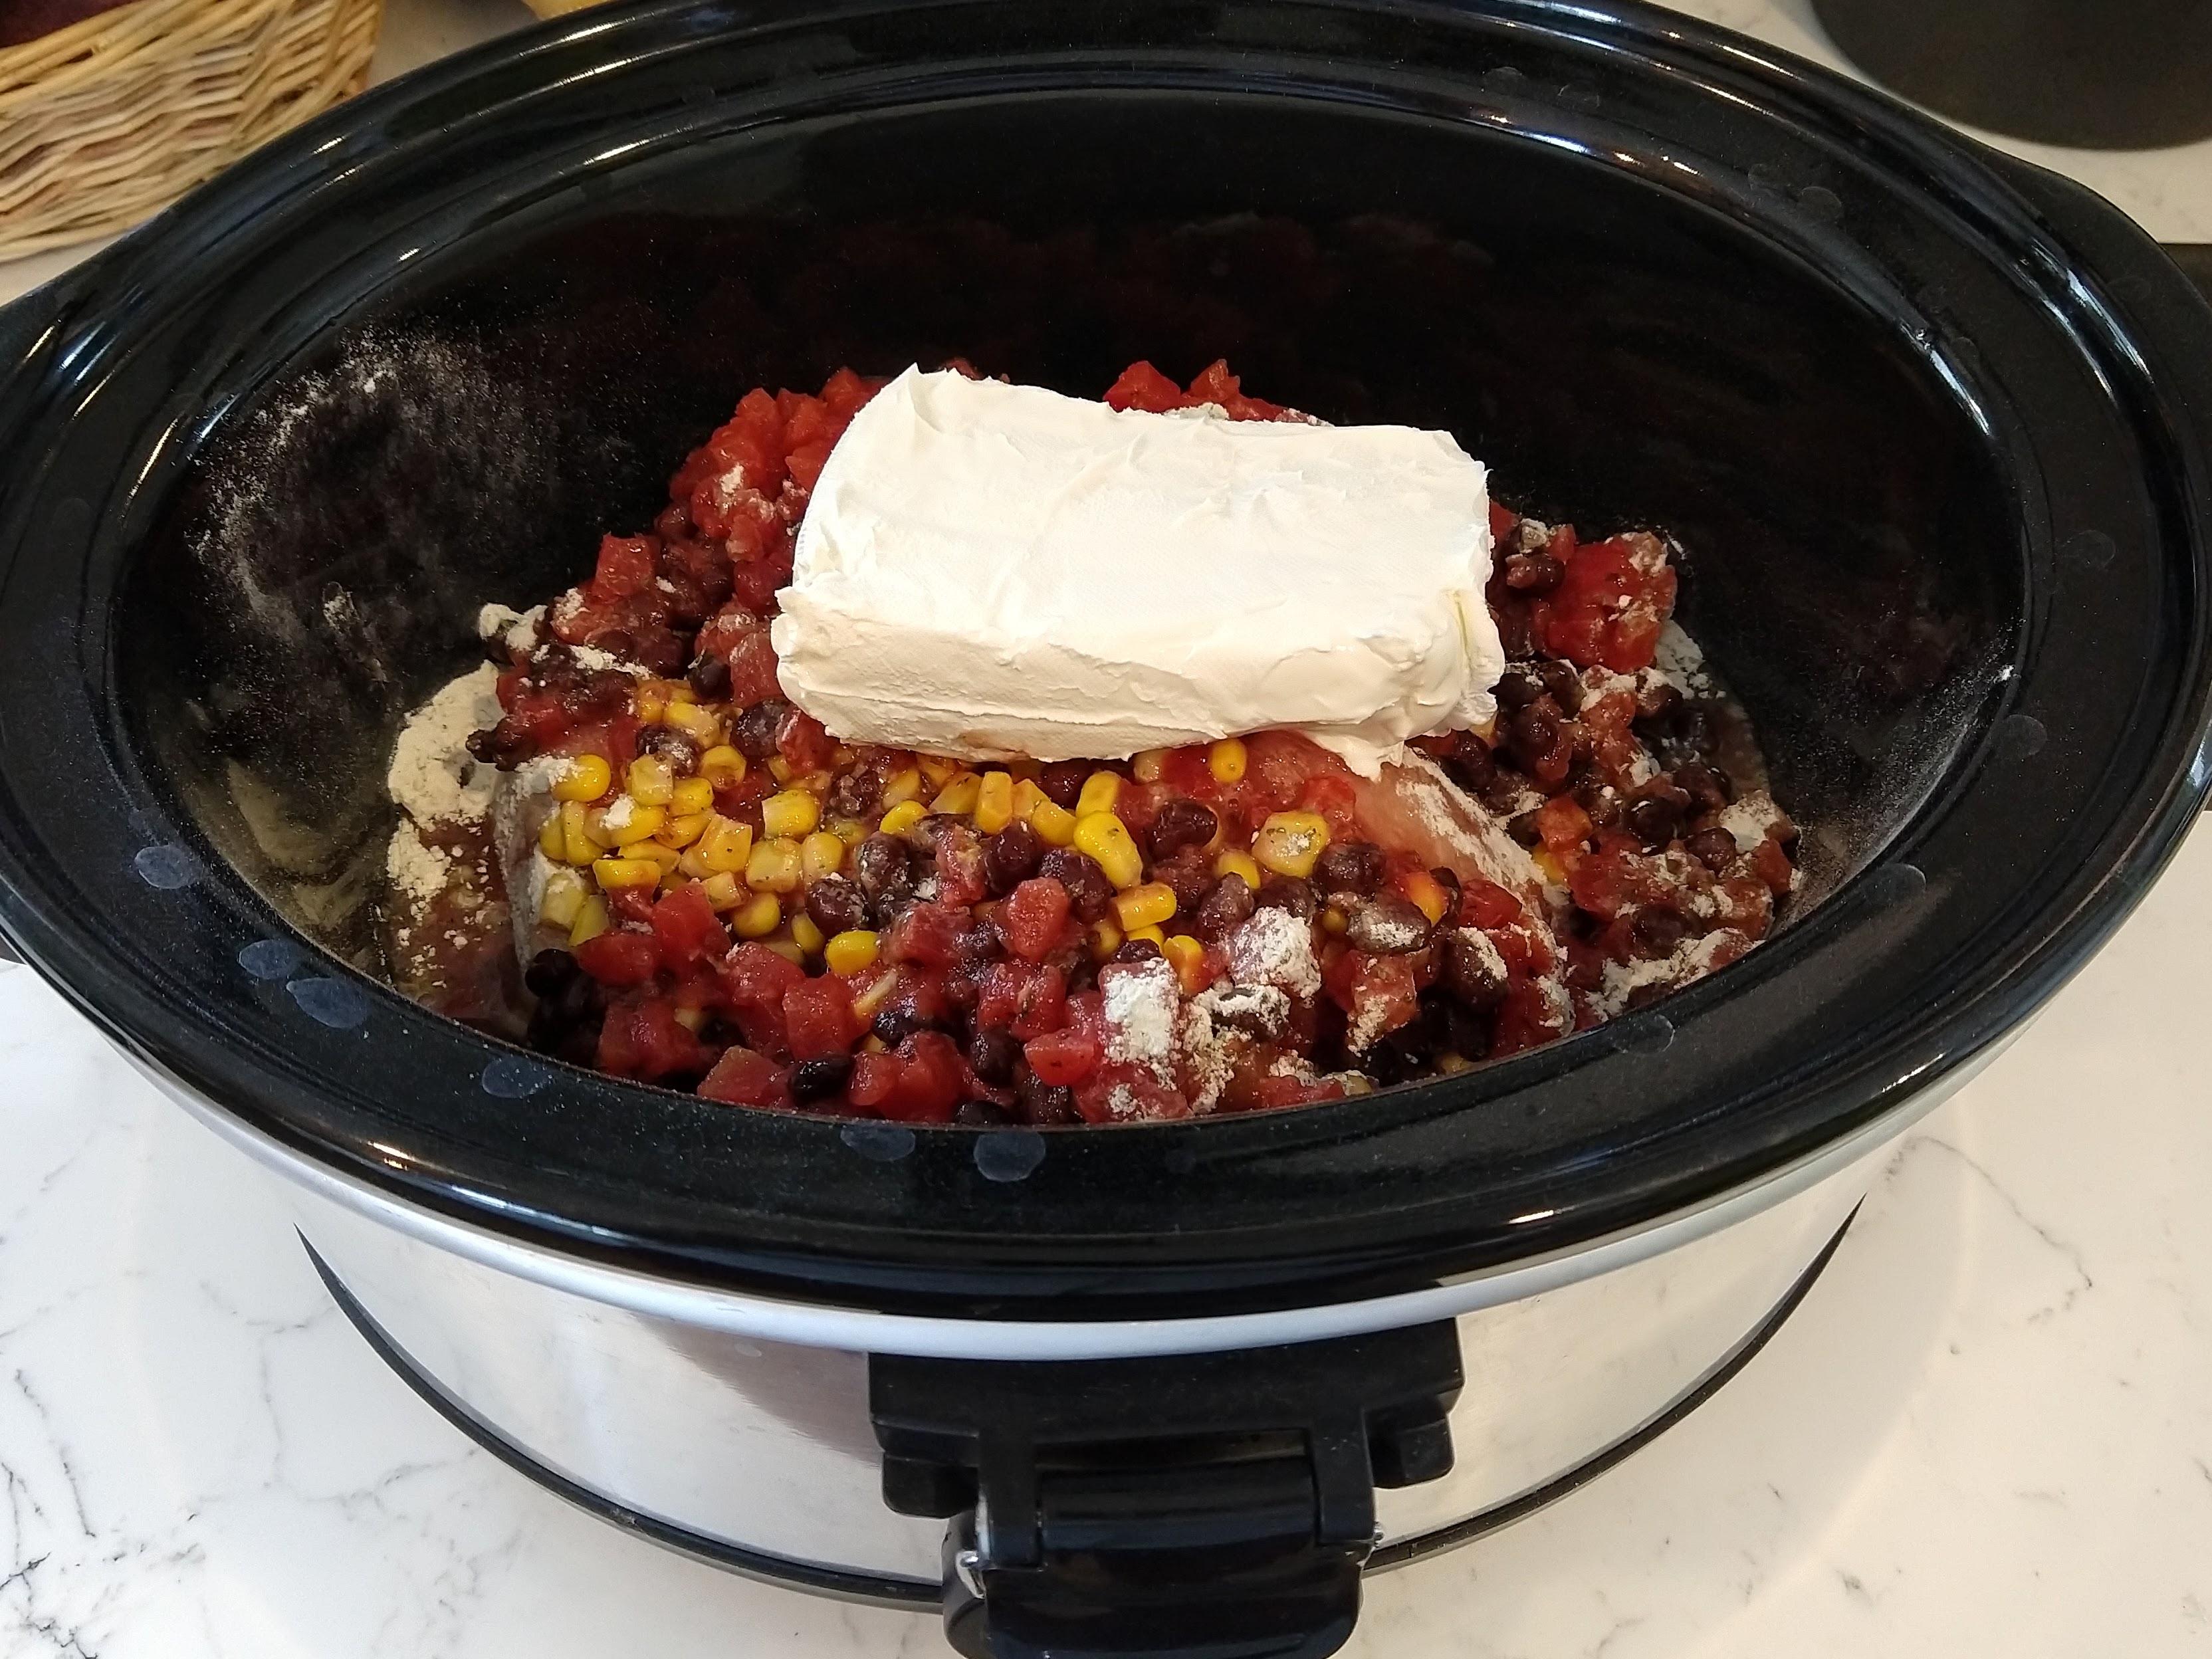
point(760, 1455)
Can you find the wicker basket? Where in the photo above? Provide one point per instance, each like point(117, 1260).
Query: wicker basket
point(104, 121)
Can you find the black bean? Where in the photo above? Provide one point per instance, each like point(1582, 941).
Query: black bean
point(709, 677)
point(818, 1079)
point(992, 1053)
point(1516, 631)
point(1012, 857)
point(837, 906)
point(1470, 973)
point(579, 998)
point(1137, 950)
point(1657, 700)
point(1655, 932)
point(1385, 926)
point(1045, 1103)
point(1291, 893)
point(1469, 763)
point(1533, 735)
point(1503, 792)
point(894, 1025)
point(1524, 829)
point(982, 1115)
point(678, 750)
point(1469, 1031)
point(550, 972)
point(1447, 879)
point(1089, 892)
point(883, 865)
point(616, 642)
point(1655, 817)
point(1518, 687)
point(1533, 573)
point(858, 793)
point(1565, 684)
point(1714, 848)
point(978, 946)
point(505, 745)
point(1062, 782)
point(1349, 866)
point(753, 732)
point(1707, 787)
point(660, 651)
point(1226, 904)
point(1181, 822)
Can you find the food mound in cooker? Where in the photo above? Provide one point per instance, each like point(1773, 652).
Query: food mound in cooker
point(712, 893)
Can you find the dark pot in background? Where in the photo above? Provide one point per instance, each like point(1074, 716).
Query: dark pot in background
point(2089, 74)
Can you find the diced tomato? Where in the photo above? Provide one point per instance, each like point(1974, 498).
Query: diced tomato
point(1216, 385)
point(741, 801)
point(930, 1077)
point(630, 906)
point(1333, 797)
point(619, 956)
point(1062, 1057)
point(800, 739)
point(641, 1037)
point(1772, 866)
point(1502, 520)
point(1130, 1094)
point(1031, 918)
point(1383, 995)
point(1275, 1092)
point(928, 934)
point(818, 1018)
point(691, 935)
point(1563, 824)
point(625, 567)
point(1612, 602)
point(1485, 904)
point(1142, 386)
point(753, 670)
point(874, 1077)
point(756, 980)
point(1043, 1007)
point(743, 1078)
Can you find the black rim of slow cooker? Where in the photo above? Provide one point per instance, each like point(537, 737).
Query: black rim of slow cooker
point(148, 931)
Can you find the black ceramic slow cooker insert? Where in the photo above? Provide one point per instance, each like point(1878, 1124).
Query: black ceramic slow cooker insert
point(1933, 426)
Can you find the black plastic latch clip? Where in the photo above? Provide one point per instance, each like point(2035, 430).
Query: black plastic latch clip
point(1209, 1506)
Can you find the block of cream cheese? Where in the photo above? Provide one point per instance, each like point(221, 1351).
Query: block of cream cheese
point(990, 571)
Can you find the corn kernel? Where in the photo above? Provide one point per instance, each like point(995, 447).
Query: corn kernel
point(552, 842)
point(1148, 763)
point(757, 917)
point(586, 777)
point(820, 854)
point(1102, 939)
point(681, 691)
point(994, 802)
point(870, 1002)
point(791, 814)
point(692, 722)
point(1108, 841)
point(904, 817)
point(651, 782)
point(1428, 894)
point(1188, 957)
point(1226, 760)
point(649, 700)
point(1451, 1063)
point(682, 829)
point(851, 832)
point(1054, 824)
point(725, 844)
point(901, 786)
point(563, 899)
point(849, 952)
point(937, 770)
point(626, 873)
point(592, 919)
point(664, 857)
point(721, 764)
point(1333, 920)
point(692, 795)
point(596, 832)
point(1289, 842)
point(1154, 902)
point(805, 934)
point(842, 756)
point(774, 866)
point(786, 949)
point(1027, 792)
point(577, 844)
point(638, 823)
point(779, 768)
point(1242, 866)
point(1549, 867)
point(957, 799)
point(1152, 933)
point(1100, 791)
point(691, 1019)
point(694, 864)
point(723, 891)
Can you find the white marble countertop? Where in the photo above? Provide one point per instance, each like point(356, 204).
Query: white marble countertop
point(1987, 1431)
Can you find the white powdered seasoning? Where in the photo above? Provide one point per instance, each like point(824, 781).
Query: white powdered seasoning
point(1273, 947)
point(433, 777)
point(1142, 1007)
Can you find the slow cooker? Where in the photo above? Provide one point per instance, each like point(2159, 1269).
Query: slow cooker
point(1934, 427)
